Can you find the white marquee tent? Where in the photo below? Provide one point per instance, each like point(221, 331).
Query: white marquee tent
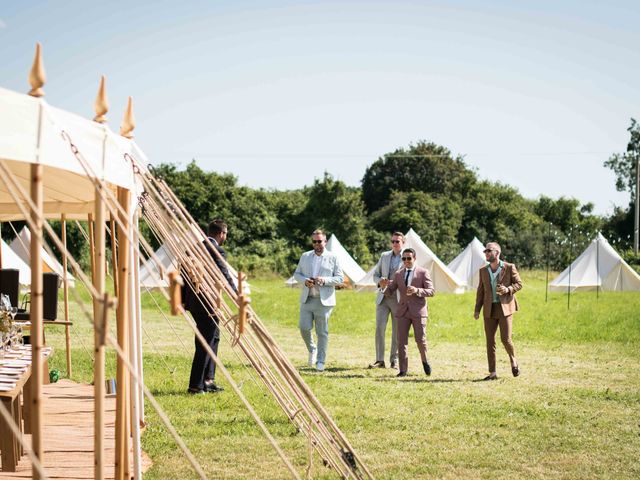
point(10, 259)
point(62, 157)
point(468, 263)
point(444, 280)
point(352, 271)
point(21, 246)
point(599, 266)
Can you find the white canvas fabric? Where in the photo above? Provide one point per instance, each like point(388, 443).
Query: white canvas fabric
point(150, 274)
point(67, 188)
point(151, 277)
point(10, 259)
point(599, 266)
point(468, 263)
point(444, 280)
point(350, 268)
point(21, 245)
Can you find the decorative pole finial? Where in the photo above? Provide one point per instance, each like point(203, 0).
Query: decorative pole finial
point(128, 122)
point(37, 76)
point(101, 105)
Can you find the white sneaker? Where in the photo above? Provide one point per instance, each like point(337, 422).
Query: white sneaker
point(320, 367)
point(312, 357)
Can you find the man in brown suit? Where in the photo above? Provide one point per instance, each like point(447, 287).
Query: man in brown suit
point(499, 281)
point(414, 285)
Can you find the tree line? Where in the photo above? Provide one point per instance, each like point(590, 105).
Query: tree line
point(422, 186)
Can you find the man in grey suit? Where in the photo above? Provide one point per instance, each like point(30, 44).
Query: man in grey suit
point(319, 271)
point(386, 306)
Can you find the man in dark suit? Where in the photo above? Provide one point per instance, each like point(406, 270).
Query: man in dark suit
point(203, 368)
point(414, 284)
point(499, 281)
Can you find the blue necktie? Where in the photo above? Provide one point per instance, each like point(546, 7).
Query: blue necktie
point(406, 278)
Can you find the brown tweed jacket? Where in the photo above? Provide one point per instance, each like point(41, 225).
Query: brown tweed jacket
point(510, 278)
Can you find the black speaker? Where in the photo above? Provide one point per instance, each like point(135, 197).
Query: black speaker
point(10, 284)
point(50, 285)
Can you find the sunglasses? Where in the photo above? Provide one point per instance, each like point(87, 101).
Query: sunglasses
point(396, 241)
point(406, 259)
point(317, 241)
point(489, 250)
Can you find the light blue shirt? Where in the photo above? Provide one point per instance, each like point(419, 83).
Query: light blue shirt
point(494, 280)
point(394, 264)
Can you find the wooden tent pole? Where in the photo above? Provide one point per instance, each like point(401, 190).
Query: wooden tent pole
point(36, 317)
point(65, 284)
point(122, 469)
point(1, 251)
point(92, 245)
point(135, 332)
point(100, 325)
point(37, 78)
point(114, 254)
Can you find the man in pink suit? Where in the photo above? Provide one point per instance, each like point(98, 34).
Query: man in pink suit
point(414, 285)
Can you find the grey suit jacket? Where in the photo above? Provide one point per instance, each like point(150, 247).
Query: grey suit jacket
point(329, 270)
point(382, 270)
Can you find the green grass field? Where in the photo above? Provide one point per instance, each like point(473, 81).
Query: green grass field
point(574, 413)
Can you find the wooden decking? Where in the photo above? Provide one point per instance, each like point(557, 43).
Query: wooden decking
point(68, 434)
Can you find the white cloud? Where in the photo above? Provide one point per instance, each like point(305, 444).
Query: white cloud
point(3, 24)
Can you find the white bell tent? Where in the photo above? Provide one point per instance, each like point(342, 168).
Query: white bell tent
point(350, 268)
point(21, 245)
point(152, 277)
point(444, 280)
point(599, 266)
point(10, 259)
point(468, 263)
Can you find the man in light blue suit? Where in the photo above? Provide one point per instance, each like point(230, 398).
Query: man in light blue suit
point(319, 271)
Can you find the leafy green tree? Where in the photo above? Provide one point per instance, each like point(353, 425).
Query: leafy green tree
point(436, 219)
point(624, 164)
point(338, 209)
point(424, 167)
point(497, 212)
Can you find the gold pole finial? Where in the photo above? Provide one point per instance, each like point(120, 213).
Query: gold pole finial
point(128, 122)
point(37, 76)
point(101, 105)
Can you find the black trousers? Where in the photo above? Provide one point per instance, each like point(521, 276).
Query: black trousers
point(203, 367)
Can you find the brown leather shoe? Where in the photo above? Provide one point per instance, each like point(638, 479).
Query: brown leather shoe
point(516, 371)
point(376, 365)
point(394, 364)
point(490, 377)
point(401, 374)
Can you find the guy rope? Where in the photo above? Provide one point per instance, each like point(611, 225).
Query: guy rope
point(181, 235)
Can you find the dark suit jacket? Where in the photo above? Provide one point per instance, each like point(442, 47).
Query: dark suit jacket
point(191, 300)
point(510, 278)
point(412, 305)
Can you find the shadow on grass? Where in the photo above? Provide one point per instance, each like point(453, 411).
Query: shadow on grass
point(421, 379)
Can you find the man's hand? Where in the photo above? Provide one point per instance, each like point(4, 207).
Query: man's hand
point(502, 290)
point(319, 281)
point(476, 315)
point(383, 283)
point(309, 282)
point(411, 290)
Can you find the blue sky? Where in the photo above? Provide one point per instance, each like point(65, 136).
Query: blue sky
point(533, 94)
